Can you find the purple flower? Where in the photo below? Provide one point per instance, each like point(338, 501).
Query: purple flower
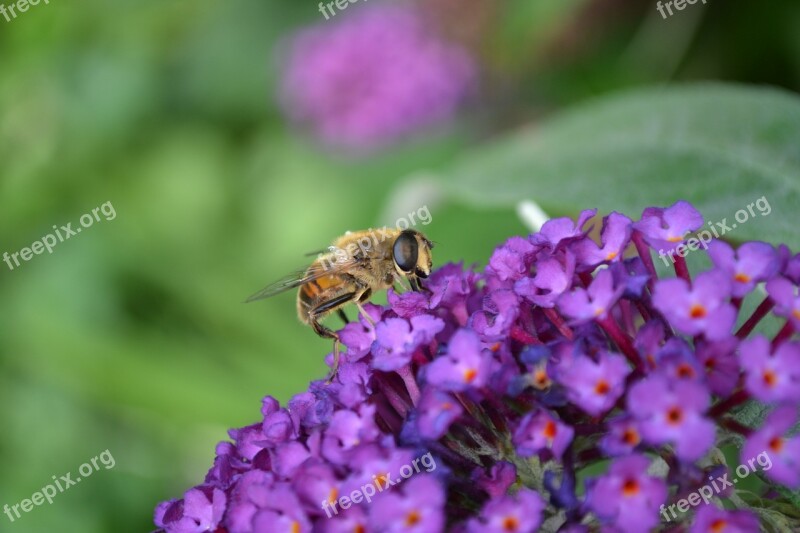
point(259, 503)
point(771, 377)
point(437, 411)
point(675, 360)
point(700, 309)
point(787, 304)
point(709, 519)
point(622, 438)
point(539, 432)
point(373, 77)
point(498, 480)
point(752, 263)
point(673, 412)
point(512, 260)
point(509, 514)
point(718, 360)
point(663, 229)
point(417, 509)
point(780, 452)
point(595, 386)
point(560, 231)
point(347, 430)
point(201, 509)
point(627, 497)
point(585, 305)
point(315, 481)
point(353, 520)
point(499, 313)
point(398, 338)
point(480, 403)
point(358, 339)
point(615, 236)
point(465, 365)
point(553, 277)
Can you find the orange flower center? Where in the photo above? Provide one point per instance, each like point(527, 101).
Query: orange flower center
point(630, 488)
point(611, 256)
point(359, 529)
point(742, 278)
point(770, 378)
point(550, 430)
point(541, 379)
point(685, 371)
point(674, 415)
point(631, 437)
point(796, 314)
point(510, 523)
point(333, 495)
point(469, 375)
point(602, 387)
point(697, 311)
point(295, 527)
point(718, 525)
point(776, 444)
point(412, 518)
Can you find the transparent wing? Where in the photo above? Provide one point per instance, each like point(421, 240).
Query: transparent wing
point(301, 277)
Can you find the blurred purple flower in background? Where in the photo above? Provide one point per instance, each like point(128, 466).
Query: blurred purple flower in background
point(373, 77)
point(470, 408)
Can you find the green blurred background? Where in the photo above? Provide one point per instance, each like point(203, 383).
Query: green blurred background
point(132, 336)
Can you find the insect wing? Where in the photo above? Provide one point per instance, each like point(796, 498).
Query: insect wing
point(296, 279)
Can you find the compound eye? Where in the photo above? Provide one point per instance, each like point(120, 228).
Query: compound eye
point(405, 251)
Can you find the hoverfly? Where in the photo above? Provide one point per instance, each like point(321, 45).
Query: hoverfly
point(357, 265)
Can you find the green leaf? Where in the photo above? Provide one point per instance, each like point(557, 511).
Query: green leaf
point(751, 414)
point(793, 496)
point(721, 147)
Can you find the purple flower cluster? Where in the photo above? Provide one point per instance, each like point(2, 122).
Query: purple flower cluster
point(373, 76)
point(568, 387)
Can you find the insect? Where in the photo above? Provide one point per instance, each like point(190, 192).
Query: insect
point(356, 266)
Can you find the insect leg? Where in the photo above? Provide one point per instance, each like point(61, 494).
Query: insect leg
point(363, 297)
point(316, 313)
point(403, 286)
point(343, 316)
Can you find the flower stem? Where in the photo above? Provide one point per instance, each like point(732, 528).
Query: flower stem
point(411, 383)
point(735, 426)
point(733, 400)
point(682, 270)
point(644, 252)
point(622, 340)
point(785, 332)
point(761, 311)
point(397, 402)
point(558, 322)
point(520, 335)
